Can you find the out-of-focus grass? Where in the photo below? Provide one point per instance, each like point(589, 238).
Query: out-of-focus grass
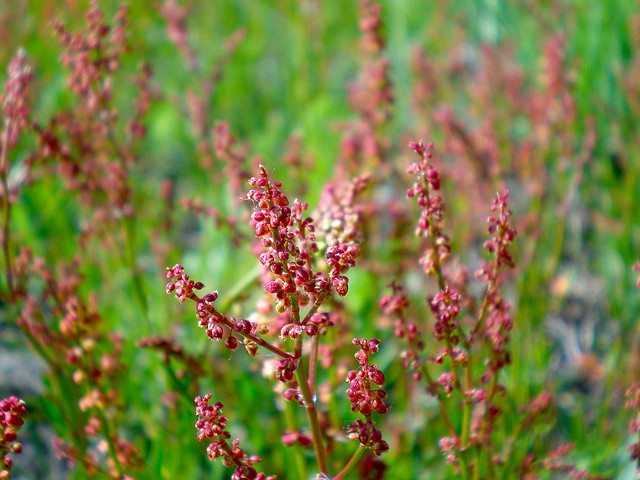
point(290, 75)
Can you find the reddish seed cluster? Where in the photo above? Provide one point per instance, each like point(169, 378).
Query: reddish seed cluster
point(288, 240)
point(450, 447)
point(296, 438)
point(633, 403)
point(15, 104)
point(499, 322)
point(87, 71)
point(176, 18)
point(71, 330)
point(364, 391)
point(234, 156)
point(447, 381)
point(368, 435)
point(286, 369)
point(90, 142)
point(217, 325)
point(220, 327)
point(211, 426)
point(180, 284)
point(425, 191)
point(501, 230)
point(144, 97)
point(395, 303)
point(395, 306)
point(12, 411)
point(311, 325)
point(338, 217)
point(372, 94)
point(445, 306)
point(340, 258)
point(554, 462)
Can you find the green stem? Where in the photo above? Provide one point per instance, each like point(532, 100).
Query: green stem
point(258, 340)
point(353, 461)
point(6, 221)
point(113, 452)
point(441, 401)
point(313, 363)
point(138, 284)
point(312, 414)
point(466, 411)
point(179, 385)
point(297, 451)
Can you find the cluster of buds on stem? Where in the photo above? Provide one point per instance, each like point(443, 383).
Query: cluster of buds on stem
point(395, 306)
point(445, 306)
point(287, 243)
point(498, 322)
point(12, 411)
point(217, 325)
point(371, 96)
point(91, 144)
point(14, 99)
point(633, 404)
point(211, 426)
point(367, 396)
point(425, 190)
point(339, 216)
point(69, 333)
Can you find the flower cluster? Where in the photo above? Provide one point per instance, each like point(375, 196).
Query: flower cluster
point(71, 332)
point(296, 438)
point(367, 396)
point(14, 99)
point(372, 95)
point(338, 217)
point(502, 234)
point(91, 145)
point(287, 243)
point(86, 71)
point(234, 157)
point(499, 322)
point(211, 426)
point(176, 18)
point(425, 190)
point(217, 325)
point(365, 392)
point(445, 306)
point(311, 325)
point(368, 435)
point(395, 306)
point(340, 258)
point(180, 284)
point(12, 411)
point(450, 447)
point(633, 404)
